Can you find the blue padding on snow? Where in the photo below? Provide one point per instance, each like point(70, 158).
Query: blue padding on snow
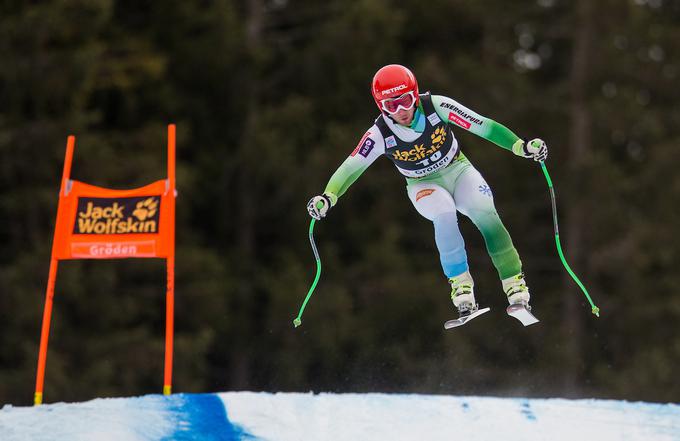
point(203, 417)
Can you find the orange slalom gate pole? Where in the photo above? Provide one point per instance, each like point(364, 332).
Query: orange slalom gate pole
point(51, 281)
point(169, 326)
point(170, 291)
point(171, 155)
point(45, 333)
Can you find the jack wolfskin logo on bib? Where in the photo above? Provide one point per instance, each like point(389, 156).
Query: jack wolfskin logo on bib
point(420, 152)
point(432, 149)
point(137, 215)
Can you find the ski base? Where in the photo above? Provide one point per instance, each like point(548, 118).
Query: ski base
point(464, 319)
point(522, 313)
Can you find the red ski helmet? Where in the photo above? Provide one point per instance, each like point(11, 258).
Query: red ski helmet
point(392, 81)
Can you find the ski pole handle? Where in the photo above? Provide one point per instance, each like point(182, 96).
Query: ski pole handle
point(595, 310)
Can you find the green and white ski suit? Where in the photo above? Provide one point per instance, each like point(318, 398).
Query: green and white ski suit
point(440, 180)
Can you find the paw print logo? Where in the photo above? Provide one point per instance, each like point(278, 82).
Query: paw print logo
point(438, 136)
point(146, 209)
point(485, 190)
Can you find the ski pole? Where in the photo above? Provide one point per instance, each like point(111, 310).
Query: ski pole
point(595, 310)
point(298, 320)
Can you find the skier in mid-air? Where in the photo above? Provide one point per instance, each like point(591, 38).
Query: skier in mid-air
point(415, 132)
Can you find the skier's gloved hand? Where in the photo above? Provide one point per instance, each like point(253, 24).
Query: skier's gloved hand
point(534, 149)
point(318, 206)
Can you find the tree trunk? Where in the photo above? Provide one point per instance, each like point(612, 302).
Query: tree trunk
point(577, 161)
point(246, 209)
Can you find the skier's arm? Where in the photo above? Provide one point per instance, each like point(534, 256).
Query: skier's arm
point(370, 147)
point(454, 112)
point(344, 177)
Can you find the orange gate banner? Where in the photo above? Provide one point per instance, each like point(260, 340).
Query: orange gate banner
point(101, 223)
point(98, 223)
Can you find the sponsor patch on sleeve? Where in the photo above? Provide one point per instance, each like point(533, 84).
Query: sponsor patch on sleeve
point(459, 121)
point(365, 145)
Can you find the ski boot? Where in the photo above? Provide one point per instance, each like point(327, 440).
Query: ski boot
point(462, 294)
point(516, 290)
point(463, 297)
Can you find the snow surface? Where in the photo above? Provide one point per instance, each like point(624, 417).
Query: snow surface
point(356, 417)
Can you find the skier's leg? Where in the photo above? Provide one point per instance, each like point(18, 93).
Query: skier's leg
point(436, 204)
point(474, 199)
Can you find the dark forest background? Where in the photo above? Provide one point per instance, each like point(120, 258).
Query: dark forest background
point(269, 97)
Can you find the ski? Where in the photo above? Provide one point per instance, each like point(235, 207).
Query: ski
point(522, 313)
point(460, 321)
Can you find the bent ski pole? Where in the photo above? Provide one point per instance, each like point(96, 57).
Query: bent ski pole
point(298, 320)
point(595, 310)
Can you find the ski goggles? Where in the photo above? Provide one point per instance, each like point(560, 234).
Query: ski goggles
point(392, 105)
